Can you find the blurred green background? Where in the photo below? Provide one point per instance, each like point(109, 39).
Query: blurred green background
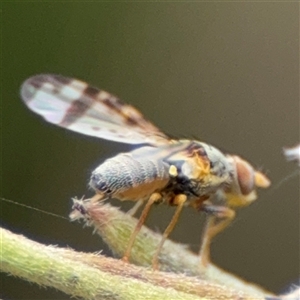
point(224, 73)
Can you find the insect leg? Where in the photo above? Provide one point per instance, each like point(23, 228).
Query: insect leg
point(153, 198)
point(97, 197)
point(132, 211)
point(220, 217)
point(179, 200)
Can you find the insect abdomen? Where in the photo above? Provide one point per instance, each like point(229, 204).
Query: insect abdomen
point(127, 178)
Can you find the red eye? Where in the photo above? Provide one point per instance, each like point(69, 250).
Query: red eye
point(245, 176)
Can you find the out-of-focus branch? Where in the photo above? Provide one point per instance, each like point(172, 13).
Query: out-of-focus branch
point(93, 276)
point(72, 272)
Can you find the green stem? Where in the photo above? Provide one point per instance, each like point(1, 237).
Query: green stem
point(48, 266)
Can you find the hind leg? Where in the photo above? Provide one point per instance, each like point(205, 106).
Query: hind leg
point(153, 198)
point(132, 211)
point(179, 200)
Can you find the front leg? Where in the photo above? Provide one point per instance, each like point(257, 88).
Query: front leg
point(218, 219)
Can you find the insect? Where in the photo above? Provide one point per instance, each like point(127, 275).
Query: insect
point(177, 172)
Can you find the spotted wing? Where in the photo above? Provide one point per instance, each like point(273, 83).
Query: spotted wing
point(75, 105)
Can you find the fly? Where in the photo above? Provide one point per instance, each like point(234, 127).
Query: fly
point(177, 172)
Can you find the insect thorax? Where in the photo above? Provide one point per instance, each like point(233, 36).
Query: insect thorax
point(201, 169)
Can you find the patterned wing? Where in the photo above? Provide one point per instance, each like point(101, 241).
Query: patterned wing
point(75, 105)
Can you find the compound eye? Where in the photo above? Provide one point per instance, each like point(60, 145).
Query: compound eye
point(245, 176)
